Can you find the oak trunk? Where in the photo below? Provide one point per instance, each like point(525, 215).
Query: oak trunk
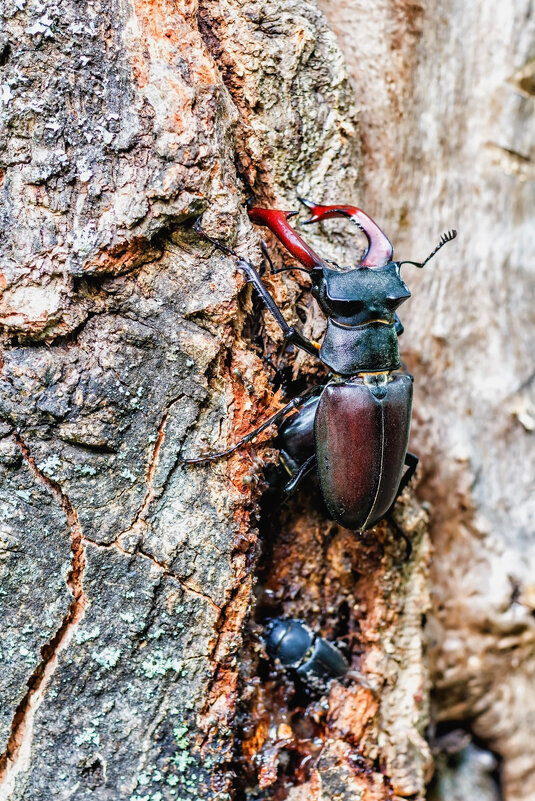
point(134, 588)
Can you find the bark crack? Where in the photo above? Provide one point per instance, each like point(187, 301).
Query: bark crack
point(140, 552)
point(139, 517)
point(185, 586)
point(151, 493)
point(16, 757)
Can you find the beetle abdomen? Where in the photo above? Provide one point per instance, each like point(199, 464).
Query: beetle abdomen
point(362, 432)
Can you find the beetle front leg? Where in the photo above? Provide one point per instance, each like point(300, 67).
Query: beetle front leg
point(290, 334)
point(411, 463)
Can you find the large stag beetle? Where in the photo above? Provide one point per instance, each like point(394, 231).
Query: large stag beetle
point(354, 429)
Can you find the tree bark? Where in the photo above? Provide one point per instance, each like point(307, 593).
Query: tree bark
point(135, 588)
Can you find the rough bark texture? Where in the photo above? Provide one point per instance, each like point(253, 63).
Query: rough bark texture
point(134, 589)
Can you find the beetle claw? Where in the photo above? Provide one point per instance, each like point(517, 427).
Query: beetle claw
point(309, 204)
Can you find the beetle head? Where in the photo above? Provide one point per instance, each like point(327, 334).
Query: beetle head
point(288, 640)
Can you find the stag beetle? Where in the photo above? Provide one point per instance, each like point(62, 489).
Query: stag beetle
point(313, 658)
point(354, 429)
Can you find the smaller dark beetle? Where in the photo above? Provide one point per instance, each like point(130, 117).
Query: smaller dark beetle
point(353, 430)
point(296, 647)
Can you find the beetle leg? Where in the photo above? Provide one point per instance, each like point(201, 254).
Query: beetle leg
point(303, 471)
point(296, 440)
point(411, 462)
point(398, 325)
point(290, 334)
point(275, 270)
point(277, 371)
point(265, 254)
point(273, 420)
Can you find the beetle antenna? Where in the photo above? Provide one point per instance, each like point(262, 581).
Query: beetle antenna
point(444, 239)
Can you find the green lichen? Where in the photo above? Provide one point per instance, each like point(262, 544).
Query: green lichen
point(88, 735)
point(180, 734)
point(49, 465)
point(107, 658)
point(85, 469)
point(182, 760)
point(144, 779)
point(174, 779)
point(27, 655)
point(81, 635)
point(155, 635)
point(158, 664)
